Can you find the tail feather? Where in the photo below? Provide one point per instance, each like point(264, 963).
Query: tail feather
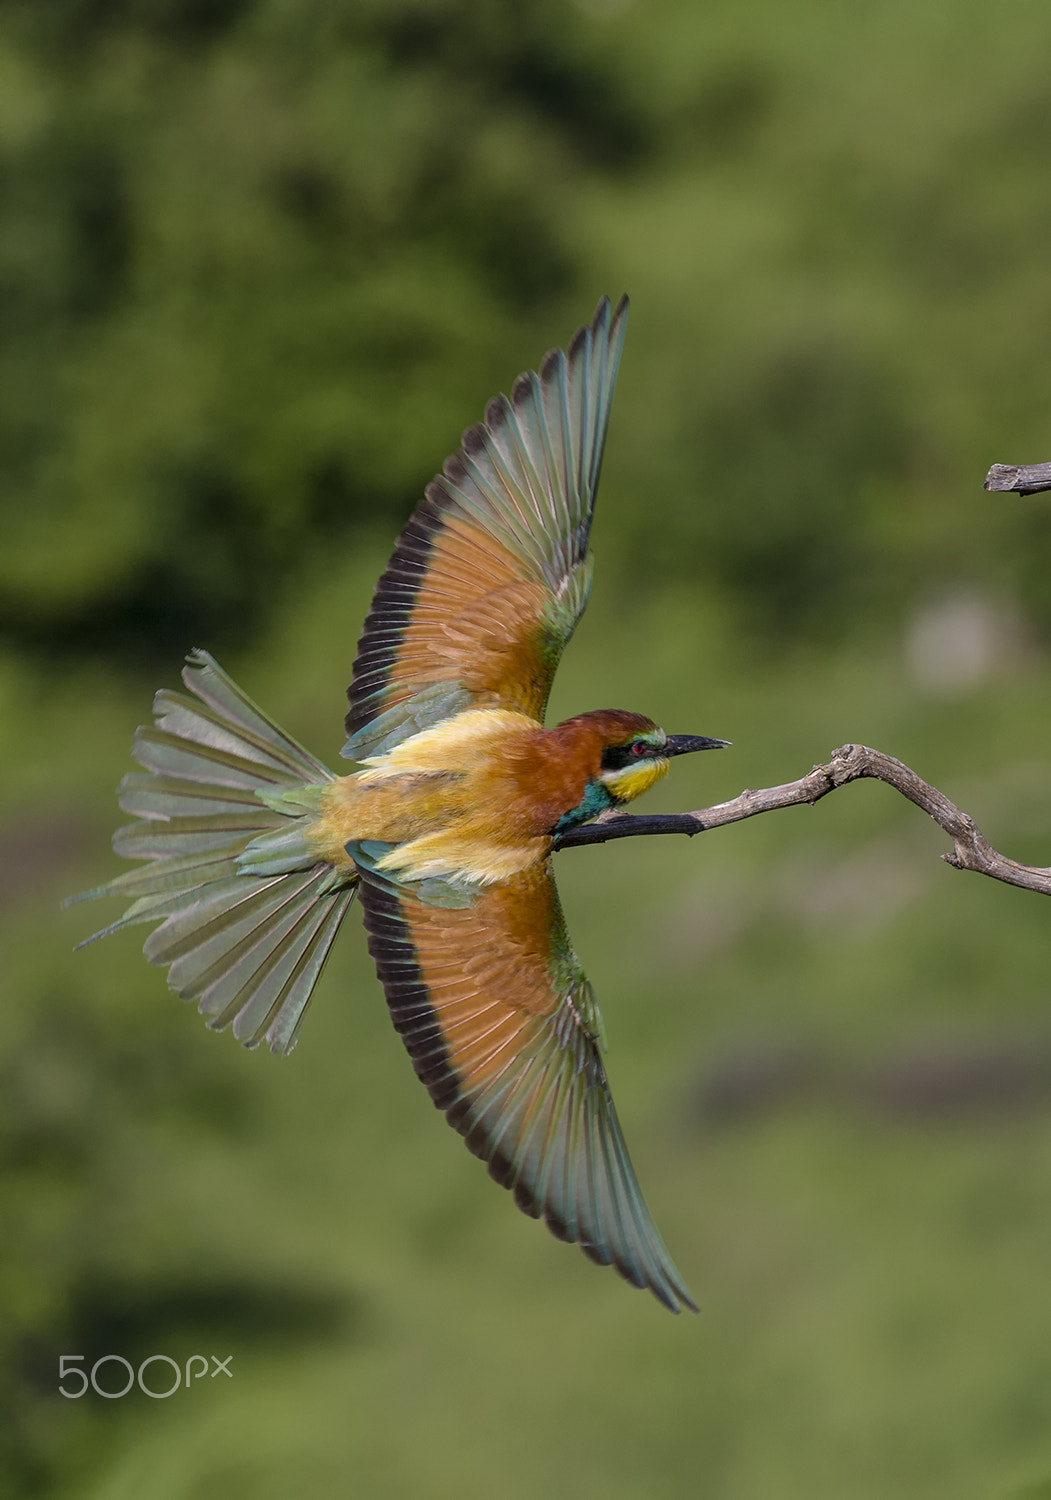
point(276, 967)
point(159, 796)
point(189, 836)
point(247, 913)
point(164, 751)
point(311, 951)
point(249, 949)
point(234, 714)
point(162, 878)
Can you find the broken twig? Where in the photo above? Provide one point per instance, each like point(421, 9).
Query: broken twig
point(1027, 479)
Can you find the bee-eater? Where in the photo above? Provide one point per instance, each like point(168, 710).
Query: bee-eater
point(256, 850)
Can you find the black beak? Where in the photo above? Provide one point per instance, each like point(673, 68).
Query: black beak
point(685, 744)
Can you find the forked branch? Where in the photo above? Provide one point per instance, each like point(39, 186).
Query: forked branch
point(970, 851)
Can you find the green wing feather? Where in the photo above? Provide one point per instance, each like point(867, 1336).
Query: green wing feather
point(491, 573)
point(502, 1027)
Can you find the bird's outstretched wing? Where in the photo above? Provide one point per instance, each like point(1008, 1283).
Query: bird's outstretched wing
point(491, 573)
point(502, 1027)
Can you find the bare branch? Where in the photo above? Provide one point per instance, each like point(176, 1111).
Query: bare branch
point(1027, 479)
point(970, 851)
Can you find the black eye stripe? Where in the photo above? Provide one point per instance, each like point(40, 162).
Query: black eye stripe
point(616, 757)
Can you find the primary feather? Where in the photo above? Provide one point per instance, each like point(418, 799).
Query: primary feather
point(491, 574)
point(502, 1027)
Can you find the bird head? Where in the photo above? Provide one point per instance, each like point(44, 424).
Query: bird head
point(633, 762)
point(626, 754)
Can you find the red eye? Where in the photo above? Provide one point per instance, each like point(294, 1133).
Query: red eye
point(639, 747)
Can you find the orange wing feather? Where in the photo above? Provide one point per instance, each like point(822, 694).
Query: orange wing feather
point(502, 1027)
point(489, 577)
point(479, 639)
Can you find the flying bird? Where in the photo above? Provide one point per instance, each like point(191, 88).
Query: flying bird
point(255, 850)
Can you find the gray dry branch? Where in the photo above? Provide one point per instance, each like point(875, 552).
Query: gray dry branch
point(970, 851)
point(1026, 479)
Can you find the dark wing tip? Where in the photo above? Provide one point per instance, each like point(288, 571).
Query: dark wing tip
point(496, 413)
point(602, 318)
point(473, 440)
point(552, 361)
point(454, 468)
point(439, 498)
point(522, 389)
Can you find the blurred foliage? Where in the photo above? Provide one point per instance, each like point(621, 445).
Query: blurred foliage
point(260, 259)
point(260, 263)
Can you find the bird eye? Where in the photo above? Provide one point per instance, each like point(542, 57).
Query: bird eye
point(639, 747)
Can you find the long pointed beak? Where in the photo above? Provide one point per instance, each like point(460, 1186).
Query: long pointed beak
point(685, 744)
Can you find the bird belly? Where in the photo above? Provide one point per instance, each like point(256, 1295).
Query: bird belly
point(468, 798)
point(396, 810)
point(465, 852)
point(441, 824)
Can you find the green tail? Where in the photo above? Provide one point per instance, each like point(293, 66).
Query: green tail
point(247, 913)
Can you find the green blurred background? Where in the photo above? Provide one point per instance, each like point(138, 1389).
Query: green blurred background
point(260, 262)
